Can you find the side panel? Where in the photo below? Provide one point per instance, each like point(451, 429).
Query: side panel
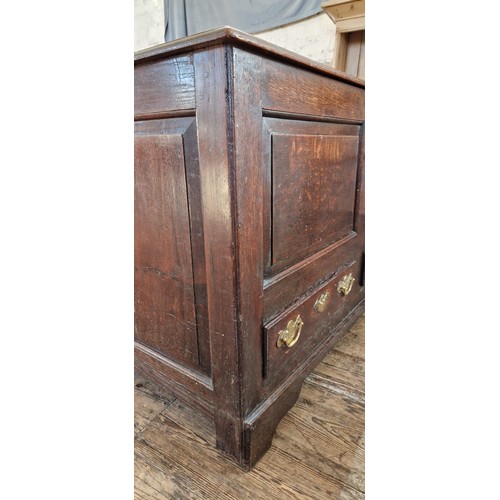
point(165, 314)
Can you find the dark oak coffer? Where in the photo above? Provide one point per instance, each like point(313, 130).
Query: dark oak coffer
point(249, 226)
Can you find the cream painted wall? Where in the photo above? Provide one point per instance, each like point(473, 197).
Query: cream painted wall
point(312, 37)
point(148, 23)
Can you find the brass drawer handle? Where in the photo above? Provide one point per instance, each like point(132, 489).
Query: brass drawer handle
point(320, 303)
point(291, 334)
point(345, 284)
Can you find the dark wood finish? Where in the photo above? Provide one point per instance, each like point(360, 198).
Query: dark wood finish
point(164, 291)
point(317, 324)
point(193, 387)
point(164, 86)
point(314, 184)
point(317, 452)
point(248, 151)
point(249, 202)
point(260, 423)
point(237, 38)
point(184, 129)
point(217, 193)
point(302, 92)
point(285, 287)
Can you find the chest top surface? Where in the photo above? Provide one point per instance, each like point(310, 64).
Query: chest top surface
point(229, 35)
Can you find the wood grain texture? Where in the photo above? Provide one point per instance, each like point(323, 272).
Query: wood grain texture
point(164, 86)
point(217, 192)
point(355, 56)
point(240, 39)
point(185, 127)
point(149, 401)
point(247, 109)
point(164, 291)
point(317, 452)
point(297, 91)
point(205, 204)
point(194, 387)
point(314, 184)
point(316, 325)
point(282, 289)
point(288, 126)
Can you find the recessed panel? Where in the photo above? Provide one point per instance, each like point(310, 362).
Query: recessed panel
point(165, 317)
point(313, 193)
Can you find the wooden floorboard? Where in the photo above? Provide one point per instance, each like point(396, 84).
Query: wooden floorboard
point(317, 451)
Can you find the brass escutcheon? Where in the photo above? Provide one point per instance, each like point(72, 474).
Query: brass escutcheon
point(345, 284)
point(320, 303)
point(291, 334)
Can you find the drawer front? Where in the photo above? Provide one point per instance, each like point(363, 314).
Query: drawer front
point(292, 336)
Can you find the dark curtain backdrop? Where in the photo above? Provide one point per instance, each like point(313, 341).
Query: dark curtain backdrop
point(187, 17)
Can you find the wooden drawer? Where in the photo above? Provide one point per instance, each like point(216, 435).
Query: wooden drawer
point(307, 323)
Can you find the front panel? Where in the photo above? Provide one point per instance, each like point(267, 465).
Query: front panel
point(314, 185)
point(312, 171)
point(313, 179)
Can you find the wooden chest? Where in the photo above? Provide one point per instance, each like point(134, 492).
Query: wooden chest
point(249, 226)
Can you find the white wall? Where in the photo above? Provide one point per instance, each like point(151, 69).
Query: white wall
point(312, 37)
point(148, 23)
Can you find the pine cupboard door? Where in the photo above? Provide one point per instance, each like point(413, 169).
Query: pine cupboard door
point(355, 54)
point(164, 286)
